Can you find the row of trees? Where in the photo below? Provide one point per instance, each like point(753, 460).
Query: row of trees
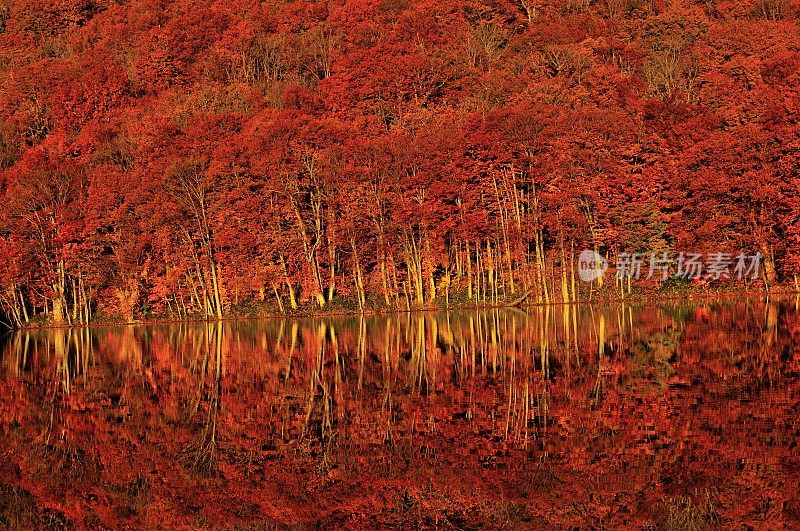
point(192, 158)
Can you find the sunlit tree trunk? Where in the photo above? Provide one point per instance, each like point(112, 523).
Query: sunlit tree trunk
point(503, 215)
point(539, 254)
point(289, 285)
point(331, 226)
point(278, 298)
point(85, 303)
point(469, 270)
point(377, 217)
point(194, 298)
point(187, 184)
point(490, 276)
point(357, 275)
point(414, 266)
point(591, 220)
point(310, 245)
point(770, 274)
point(60, 307)
point(26, 317)
point(429, 266)
point(11, 303)
point(565, 297)
point(384, 277)
point(288, 282)
point(395, 281)
point(216, 282)
point(446, 281)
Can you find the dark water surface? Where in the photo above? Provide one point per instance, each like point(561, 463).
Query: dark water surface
point(665, 415)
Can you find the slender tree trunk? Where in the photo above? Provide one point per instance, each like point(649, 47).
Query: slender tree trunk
point(87, 309)
point(288, 282)
point(58, 311)
point(60, 308)
point(75, 303)
point(215, 282)
point(414, 267)
point(27, 318)
point(565, 298)
point(331, 255)
point(770, 274)
point(395, 280)
point(384, 279)
point(357, 276)
point(278, 298)
point(469, 271)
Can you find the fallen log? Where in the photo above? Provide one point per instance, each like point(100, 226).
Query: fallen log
point(519, 300)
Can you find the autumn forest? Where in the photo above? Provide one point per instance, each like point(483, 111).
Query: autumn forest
point(366, 264)
point(193, 159)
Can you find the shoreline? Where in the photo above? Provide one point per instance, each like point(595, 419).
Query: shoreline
point(316, 313)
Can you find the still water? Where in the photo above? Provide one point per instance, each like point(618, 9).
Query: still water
point(666, 415)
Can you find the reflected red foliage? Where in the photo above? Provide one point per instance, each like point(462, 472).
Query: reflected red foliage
point(579, 417)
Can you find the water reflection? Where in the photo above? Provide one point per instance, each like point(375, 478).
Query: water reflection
point(250, 421)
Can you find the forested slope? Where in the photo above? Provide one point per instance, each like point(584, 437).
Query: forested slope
point(190, 156)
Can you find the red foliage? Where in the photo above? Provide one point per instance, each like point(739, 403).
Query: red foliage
point(375, 134)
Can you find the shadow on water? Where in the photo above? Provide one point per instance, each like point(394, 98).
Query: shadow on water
point(585, 415)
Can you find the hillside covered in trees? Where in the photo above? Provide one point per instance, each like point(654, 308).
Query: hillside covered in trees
point(192, 156)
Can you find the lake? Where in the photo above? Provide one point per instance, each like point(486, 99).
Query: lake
point(669, 415)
